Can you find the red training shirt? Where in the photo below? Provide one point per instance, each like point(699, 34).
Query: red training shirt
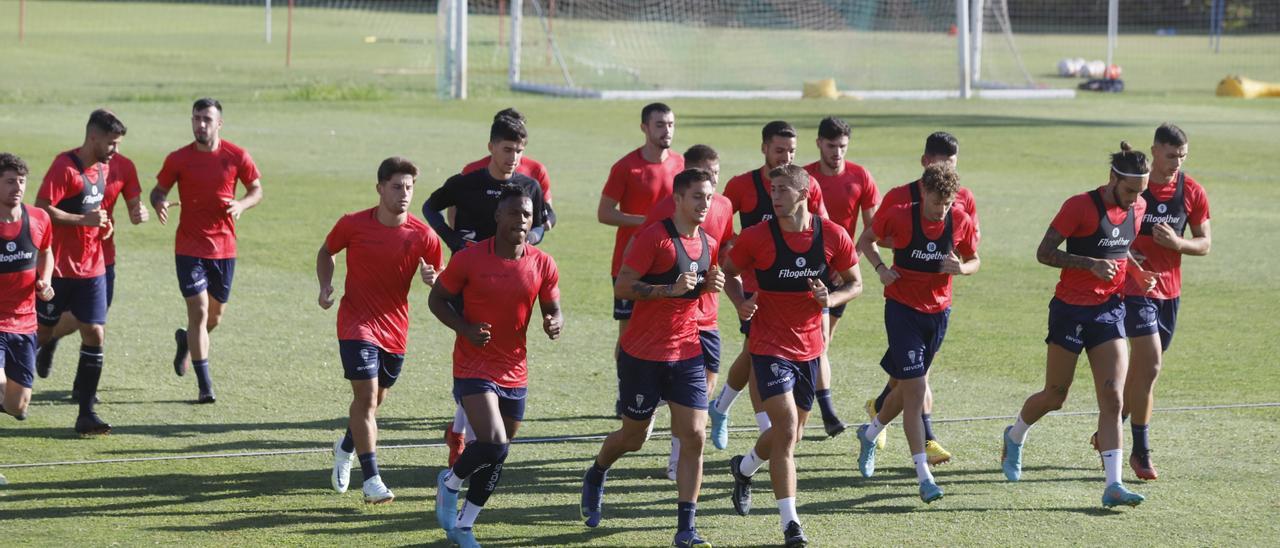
point(77, 250)
point(527, 166)
point(902, 195)
point(789, 325)
point(1079, 217)
point(122, 178)
point(499, 292)
point(637, 184)
point(846, 195)
point(663, 330)
point(18, 289)
point(925, 292)
point(719, 225)
point(741, 192)
point(1165, 262)
point(382, 262)
point(206, 182)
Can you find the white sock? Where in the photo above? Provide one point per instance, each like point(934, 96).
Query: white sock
point(675, 453)
point(1111, 463)
point(459, 420)
point(787, 512)
point(453, 482)
point(727, 395)
point(763, 422)
point(1019, 431)
point(874, 429)
point(922, 467)
point(467, 516)
point(751, 463)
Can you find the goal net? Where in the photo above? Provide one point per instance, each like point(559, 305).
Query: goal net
point(759, 48)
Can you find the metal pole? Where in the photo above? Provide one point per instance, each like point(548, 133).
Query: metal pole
point(22, 21)
point(288, 38)
point(962, 25)
point(517, 17)
point(268, 21)
point(976, 18)
point(1113, 28)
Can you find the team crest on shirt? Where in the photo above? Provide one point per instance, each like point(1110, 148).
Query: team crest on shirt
point(1162, 208)
point(693, 267)
point(1115, 232)
point(11, 247)
point(931, 247)
point(800, 262)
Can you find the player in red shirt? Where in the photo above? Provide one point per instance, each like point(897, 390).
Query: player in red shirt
point(749, 194)
point(72, 194)
point(719, 225)
point(26, 266)
point(665, 270)
point(1087, 311)
point(527, 166)
point(1175, 202)
point(206, 172)
point(940, 147)
point(931, 241)
point(791, 254)
point(122, 178)
point(497, 281)
point(636, 182)
point(385, 247)
point(848, 192)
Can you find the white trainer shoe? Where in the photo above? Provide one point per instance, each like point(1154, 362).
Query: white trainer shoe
point(341, 477)
point(376, 492)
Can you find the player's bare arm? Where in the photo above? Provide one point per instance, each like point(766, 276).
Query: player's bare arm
point(1049, 255)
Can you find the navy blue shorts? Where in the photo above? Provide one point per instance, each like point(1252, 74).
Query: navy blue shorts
point(642, 383)
point(363, 360)
point(510, 400)
point(18, 357)
point(213, 275)
point(111, 284)
point(775, 376)
point(621, 307)
point(1144, 316)
point(1078, 328)
point(744, 326)
point(85, 298)
point(710, 349)
point(914, 338)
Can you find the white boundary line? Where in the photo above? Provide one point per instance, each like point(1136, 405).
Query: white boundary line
point(564, 439)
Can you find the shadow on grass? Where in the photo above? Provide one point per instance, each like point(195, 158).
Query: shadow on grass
point(873, 120)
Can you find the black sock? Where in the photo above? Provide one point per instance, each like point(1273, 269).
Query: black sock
point(686, 512)
point(1141, 443)
point(828, 410)
point(369, 464)
point(348, 444)
point(203, 380)
point(596, 474)
point(89, 372)
point(883, 394)
point(927, 419)
point(484, 481)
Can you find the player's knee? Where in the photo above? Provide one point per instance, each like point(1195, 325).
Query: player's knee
point(692, 438)
point(92, 334)
point(633, 441)
point(1109, 403)
point(212, 319)
point(1054, 399)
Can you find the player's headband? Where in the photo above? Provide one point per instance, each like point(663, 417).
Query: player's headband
point(1123, 174)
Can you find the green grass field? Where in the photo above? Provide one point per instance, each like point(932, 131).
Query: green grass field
point(318, 132)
